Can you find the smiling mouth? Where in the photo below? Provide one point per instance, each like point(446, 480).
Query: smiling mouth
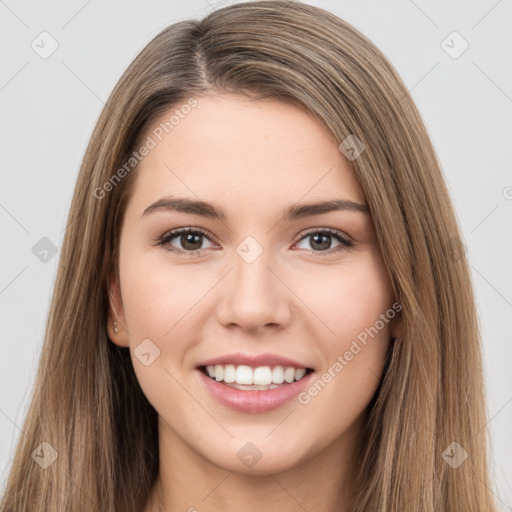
point(262, 378)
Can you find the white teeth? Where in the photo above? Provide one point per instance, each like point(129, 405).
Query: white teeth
point(278, 375)
point(243, 375)
point(260, 376)
point(219, 372)
point(299, 373)
point(289, 374)
point(229, 373)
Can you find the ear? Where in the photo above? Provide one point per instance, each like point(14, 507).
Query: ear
point(116, 314)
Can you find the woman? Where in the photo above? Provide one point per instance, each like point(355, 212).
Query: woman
point(261, 301)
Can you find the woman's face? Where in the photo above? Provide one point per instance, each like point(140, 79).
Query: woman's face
point(251, 281)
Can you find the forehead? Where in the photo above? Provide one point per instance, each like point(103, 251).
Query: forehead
point(229, 149)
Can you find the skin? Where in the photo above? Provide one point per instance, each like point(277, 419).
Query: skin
point(254, 159)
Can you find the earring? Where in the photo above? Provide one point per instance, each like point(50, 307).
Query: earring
point(115, 327)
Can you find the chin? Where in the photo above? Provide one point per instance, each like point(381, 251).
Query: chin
point(257, 458)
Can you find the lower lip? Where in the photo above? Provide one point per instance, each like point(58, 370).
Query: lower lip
point(256, 400)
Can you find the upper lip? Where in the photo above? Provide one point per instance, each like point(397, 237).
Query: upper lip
point(254, 360)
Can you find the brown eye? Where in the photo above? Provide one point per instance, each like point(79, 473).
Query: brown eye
point(190, 240)
point(320, 241)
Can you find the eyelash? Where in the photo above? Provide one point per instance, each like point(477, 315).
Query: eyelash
point(167, 237)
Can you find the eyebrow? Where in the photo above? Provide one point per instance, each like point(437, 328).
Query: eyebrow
point(294, 212)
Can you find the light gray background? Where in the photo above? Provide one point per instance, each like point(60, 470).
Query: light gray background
point(49, 108)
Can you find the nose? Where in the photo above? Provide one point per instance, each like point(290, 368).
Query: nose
point(254, 296)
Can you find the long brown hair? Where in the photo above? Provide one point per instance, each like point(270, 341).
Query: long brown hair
point(87, 404)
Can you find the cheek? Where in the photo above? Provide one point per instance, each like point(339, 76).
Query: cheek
point(351, 299)
point(356, 308)
point(158, 307)
point(157, 298)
